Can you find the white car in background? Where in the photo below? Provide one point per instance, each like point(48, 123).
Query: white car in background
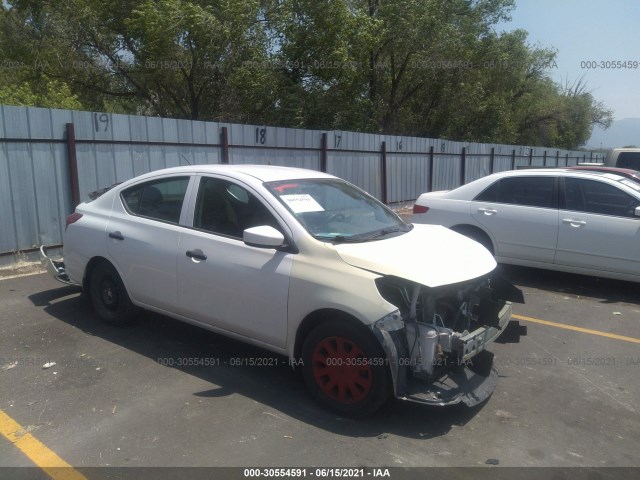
point(570, 220)
point(303, 264)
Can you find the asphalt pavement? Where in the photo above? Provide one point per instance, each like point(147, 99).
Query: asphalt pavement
point(163, 393)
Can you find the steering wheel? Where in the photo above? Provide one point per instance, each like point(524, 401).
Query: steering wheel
point(336, 216)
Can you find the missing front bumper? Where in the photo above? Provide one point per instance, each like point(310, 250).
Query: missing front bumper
point(461, 386)
point(475, 342)
point(471, 380)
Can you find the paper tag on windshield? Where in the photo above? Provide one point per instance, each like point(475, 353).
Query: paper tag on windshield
point(302, 203)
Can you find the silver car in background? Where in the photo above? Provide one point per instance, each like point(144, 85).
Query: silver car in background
point(570, 220)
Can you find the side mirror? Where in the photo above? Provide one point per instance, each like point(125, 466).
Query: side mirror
point(636, 212)
point(263, 236)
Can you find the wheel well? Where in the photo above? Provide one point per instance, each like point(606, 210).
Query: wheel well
point(477, 234)
point(86, 286)
point(316, 318)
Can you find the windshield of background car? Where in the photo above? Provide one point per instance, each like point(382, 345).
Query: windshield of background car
point(330, 209)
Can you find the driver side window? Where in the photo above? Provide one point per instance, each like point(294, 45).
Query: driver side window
point(225, 208)
point(591, 196)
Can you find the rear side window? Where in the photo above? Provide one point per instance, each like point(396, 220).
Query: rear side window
point(591, 196)
point(525, 191)
point(158, 199)
point(628, 160)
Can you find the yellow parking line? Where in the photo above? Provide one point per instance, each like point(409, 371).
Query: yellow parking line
point(576, 329)
point(37, 451)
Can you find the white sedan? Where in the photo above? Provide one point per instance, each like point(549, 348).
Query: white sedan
point(569, 220)
point(303, 264)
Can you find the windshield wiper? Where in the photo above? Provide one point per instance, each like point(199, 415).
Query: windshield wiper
point(340, 238)
point(365, 237)
point(387, 231)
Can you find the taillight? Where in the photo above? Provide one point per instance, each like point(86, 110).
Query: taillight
point(73, 218)
point(420, 209)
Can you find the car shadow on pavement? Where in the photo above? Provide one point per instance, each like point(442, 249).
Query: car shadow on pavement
point(276, 385)
point(604, 289)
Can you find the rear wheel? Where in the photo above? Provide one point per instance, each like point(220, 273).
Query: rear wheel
point(345, 368)
point(109, 296)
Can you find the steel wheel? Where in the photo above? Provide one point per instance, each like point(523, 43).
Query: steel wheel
point(341, 370)
point(109, 296)
point(109, 293)
point(345, 368)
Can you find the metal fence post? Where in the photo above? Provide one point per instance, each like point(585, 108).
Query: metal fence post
point(224, 144)
point(492, 160)
point(530, 156)
point(463, 166)
point(383, 167)
point(544, 159)
point(324, 142)
point(431, 169)
point(73, 165)
point(513, 159)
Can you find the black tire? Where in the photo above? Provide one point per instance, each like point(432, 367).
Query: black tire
point(109, 296)
point(345, 368)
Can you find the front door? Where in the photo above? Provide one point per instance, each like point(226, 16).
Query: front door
point(598, 228)
point(221, 280)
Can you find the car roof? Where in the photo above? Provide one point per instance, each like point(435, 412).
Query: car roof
point(586, 172)
point(263, 173)
point(625, 172)
point(471, 189)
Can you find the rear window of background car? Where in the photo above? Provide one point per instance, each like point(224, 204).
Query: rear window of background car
point(525, 191)
point(628, 160)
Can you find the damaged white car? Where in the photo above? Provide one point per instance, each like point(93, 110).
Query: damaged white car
point(303, 264)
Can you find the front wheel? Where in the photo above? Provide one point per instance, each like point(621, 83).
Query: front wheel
point(109, 296)
point(345, 368)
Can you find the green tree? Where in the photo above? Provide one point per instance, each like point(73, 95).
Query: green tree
point(433, 68)
point(53, 95)
point(175, 58)
point(21, 81)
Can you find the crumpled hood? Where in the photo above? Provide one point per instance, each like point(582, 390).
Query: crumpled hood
point(431, 255)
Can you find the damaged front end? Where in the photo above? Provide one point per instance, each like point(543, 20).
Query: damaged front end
point(436, 341)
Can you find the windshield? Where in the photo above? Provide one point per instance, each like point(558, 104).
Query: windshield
point(334, 210)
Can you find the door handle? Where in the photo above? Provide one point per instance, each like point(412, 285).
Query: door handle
point(574, 223)
point(196, 254)
point(488, 211)
point(116, 235)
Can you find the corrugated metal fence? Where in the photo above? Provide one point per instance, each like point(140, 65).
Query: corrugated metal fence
point(51, 159)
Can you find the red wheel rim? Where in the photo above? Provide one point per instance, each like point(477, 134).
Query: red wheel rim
point(341, 370)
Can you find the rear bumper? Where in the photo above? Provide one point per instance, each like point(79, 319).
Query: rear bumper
point(55, 268)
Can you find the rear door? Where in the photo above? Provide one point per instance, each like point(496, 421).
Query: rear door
point(143, 234)
point(521, 214)
point(598, 227)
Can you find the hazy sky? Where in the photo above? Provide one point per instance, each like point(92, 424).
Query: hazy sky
point(589, 31)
